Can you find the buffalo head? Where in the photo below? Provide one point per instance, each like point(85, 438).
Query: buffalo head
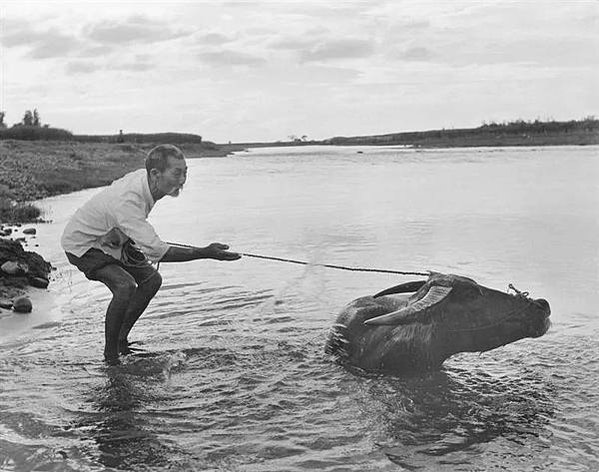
point(417, 325)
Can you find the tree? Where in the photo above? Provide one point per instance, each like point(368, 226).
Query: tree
point(36, 118)
point(28, 118)
point(2, 114)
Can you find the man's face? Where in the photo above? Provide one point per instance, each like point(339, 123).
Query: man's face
point(171, 181)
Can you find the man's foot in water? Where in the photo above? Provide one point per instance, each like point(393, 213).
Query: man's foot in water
point(126, 349)
point(111, 360)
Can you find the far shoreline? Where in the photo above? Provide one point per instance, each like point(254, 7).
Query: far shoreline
point(514, 133)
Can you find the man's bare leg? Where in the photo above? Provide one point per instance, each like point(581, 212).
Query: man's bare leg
point(137, 304)
point(123, 286)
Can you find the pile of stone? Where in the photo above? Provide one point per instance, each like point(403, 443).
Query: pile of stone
point(20, 269)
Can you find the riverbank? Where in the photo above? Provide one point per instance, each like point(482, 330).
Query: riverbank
point(30, 170)
point(516, 133)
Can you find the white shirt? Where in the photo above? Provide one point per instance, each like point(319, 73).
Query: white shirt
point(112, 216)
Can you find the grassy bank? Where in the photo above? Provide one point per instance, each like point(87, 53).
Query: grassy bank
point(515, 133)
point(31, 170)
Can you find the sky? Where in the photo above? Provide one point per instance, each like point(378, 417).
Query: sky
point(265, 71)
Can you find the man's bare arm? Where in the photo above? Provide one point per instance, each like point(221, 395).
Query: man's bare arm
point(216, 251)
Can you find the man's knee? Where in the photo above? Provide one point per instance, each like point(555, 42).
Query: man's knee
point(120, 283)
point(124, 288)
point(152, 284)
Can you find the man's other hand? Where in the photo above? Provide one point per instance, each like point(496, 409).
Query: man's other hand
point(219, 252)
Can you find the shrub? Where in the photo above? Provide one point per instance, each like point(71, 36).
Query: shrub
point(35, 133)
point(18, 213)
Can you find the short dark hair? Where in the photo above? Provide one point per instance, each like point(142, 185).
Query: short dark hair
point(157, 158)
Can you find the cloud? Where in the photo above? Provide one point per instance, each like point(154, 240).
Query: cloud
point(137, 66)
point(53, 44)
point(215, 39)
point(415, 24)
point(95, 51)
point(135, 29)
point(42, 44)
point(417, 53)
point(139, 63)
point(81, 67)
point(293, 44)
point(226, 57)
point(338, 49)
point(540, 51)
point(17, 32)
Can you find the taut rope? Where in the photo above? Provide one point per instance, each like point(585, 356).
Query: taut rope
point(329, 266)
point(332, 266)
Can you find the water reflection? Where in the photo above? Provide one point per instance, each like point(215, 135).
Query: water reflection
point(121, 427)
point(452, 413)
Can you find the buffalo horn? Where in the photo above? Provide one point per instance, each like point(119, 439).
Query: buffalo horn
point(402, 288)
point(435, 295)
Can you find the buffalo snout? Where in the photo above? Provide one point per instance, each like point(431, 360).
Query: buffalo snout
point(543, 305)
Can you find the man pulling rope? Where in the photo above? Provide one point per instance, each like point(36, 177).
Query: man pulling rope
point(110, 240)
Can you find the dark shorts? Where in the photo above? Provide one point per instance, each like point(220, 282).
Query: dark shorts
point(94, 259)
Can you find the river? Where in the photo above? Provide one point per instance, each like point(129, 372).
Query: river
point(236, 379)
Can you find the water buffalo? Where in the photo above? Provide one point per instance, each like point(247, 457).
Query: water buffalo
point(417, 325)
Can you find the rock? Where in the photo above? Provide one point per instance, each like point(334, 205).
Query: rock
point(6, 304)
point(7, 231)
point(29, 231)
point(14, 268)
point(38, 282)
point(22, 305)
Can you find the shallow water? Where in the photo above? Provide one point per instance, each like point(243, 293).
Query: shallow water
point(235, 377)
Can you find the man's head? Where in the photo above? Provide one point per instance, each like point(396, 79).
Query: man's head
point(167, 170)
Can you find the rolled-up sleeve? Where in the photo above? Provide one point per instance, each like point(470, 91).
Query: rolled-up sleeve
point(131, 221)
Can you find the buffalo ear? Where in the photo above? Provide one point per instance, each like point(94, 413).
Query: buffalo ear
point(402, 288)
point(413, 312)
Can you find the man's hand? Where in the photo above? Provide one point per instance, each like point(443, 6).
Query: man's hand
point(219, 252)
point(216, 251)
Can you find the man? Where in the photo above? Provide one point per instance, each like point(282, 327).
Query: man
point(110, 240)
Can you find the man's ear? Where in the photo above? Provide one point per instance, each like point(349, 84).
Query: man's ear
point(154, 172)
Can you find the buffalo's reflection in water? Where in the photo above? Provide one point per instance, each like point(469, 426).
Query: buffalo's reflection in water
point(445, 417)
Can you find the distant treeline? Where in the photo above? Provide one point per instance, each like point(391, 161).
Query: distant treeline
point(47, 133)
point(514, 133)
point(35, 133)
point(30, 128)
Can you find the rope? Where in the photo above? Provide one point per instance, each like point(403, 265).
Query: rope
point(329, 266)
point(332, 266)
point(518, 292)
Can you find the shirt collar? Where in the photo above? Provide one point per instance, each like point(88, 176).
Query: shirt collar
point(145, 188)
